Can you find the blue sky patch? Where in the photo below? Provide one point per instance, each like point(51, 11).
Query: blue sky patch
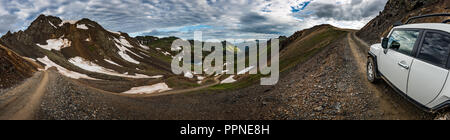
point(300, 7)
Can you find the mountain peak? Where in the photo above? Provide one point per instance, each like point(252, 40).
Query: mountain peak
point(43, 17)
point(45, 21)
point(8, 33)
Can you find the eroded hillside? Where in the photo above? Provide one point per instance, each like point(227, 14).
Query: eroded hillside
point(13, 68)
point(402, 10)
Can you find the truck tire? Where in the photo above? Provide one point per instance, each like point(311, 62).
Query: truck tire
point(372, 74)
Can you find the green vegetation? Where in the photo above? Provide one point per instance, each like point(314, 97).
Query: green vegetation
point(91, 48)
point(291, 56)
point(294, 55)
point(308, 48)
point(180, 83)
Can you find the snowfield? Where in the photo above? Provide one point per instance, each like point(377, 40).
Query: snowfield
point(127, 57)
point(124, 55)
point(82, 26)
point(161, 87)
point(71, 74)
point(123, 42)
point(56, 44)
point(92, 67)
point(123, 46)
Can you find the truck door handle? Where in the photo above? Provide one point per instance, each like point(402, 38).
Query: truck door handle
point(401, 64)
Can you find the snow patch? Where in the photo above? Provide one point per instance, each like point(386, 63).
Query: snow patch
point(52, 24)
point(27, 58)
point(88, 39)
point(223, 71)
point(228, 80)
point(114, 32)
point(92, 67)
point(112, 62)
point(166, 53)
point(161, 87)
point(188, 75)
point(176, 48)
point(123, 46)
point(68, 21)
point(124, 55)
point(145, 47)
point(200, 77)
point(123, 42)
point(245, 70)
point(71, 74)
point(56, 44)
point(127, 57)
point(82, 26)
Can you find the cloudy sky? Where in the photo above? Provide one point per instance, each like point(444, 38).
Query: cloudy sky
point(217, 19)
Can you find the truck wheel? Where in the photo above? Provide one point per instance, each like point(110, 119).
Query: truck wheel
point(371, 71)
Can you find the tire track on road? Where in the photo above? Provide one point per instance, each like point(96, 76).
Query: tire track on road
point(25, 101)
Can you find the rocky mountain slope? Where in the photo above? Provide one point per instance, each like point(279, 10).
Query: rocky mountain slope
point(401, 10)
point(86, 39)
point(305, 43)
point(13, 68)
point(294, 50)
point(83, 50)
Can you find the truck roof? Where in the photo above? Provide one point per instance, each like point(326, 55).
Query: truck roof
point(433, 26)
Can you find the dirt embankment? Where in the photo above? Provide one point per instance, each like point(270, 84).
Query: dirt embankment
point(13, 69)
point(401, 10)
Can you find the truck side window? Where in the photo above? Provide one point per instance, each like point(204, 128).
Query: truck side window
point(403, 41)
point(435, 48)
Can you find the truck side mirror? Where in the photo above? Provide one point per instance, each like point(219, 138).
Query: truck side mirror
point(384, 43)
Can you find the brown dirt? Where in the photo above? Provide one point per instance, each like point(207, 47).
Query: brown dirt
point(22, 102)
point(401, 10)
point(13, 69)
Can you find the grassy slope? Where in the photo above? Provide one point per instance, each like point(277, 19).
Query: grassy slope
point(296, 53)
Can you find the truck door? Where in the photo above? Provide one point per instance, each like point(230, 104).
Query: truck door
point(395, 62)
point(429, 70)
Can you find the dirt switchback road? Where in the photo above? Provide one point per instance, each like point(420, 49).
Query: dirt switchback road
point(22, 102)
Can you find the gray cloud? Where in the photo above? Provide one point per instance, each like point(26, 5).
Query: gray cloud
point(6, 22)
point(229, 18)
point(356, 10)
point(356, 2)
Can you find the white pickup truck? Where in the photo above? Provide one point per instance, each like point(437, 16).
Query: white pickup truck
point(414, 60)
